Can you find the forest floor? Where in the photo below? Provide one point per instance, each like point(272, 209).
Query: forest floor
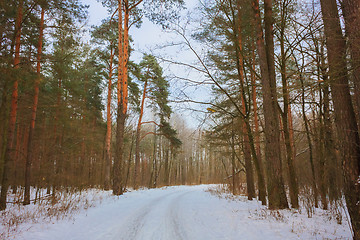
point(182, 212)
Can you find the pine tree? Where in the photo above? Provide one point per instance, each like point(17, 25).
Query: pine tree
point(155, 88)
point(9, 153)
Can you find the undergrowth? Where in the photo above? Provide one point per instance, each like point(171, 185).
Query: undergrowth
point(63, 205)
point(336, 209)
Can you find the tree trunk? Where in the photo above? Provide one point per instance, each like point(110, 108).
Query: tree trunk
point(256, 142)
point(308, 136)
point(20, 133)
point(129, 160)
point(126, 57)
point(345, 119)
point(276, 190)
point(321, 155)
point(249, 167)
point(152, 181)
point(121, 113)
point(321, 141)
point(118, 186)
point(245, 107)
point(166, 166)
point(293, 185)
point(33, 114)
point(123, 43)
point(255, 109)
point(3, 124)
point(329, 146)
point(13, 111)
point(137, 143)
point(233, 163)
point(108, 126)
point(351, 12)
point(291, 131)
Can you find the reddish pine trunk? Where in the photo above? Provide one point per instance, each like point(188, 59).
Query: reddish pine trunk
point(137, 143)
point(108, 127)
point(117, 170)
point(19, 134)
point(126, 59)
point(33, 115)
point(118, 183)
point(13, 111)
point(120, 53)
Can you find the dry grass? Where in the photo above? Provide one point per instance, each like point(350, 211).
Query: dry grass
point(64, 205)
point(219, 190)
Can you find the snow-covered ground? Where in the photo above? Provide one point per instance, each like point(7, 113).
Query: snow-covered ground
point(184, 212)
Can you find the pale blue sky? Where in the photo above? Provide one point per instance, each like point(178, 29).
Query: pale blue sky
point(145, 40)
point(145, 37)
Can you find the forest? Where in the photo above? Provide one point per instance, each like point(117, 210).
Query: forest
point(279, 122)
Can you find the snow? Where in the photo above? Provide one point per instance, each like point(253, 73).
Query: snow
point(184, 212)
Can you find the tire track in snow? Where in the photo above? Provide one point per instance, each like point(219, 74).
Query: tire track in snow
point(136, 221)
point(176, 220)
point(156, 220)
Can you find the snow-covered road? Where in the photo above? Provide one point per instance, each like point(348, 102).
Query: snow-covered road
point(156, 218)
point(186, 213)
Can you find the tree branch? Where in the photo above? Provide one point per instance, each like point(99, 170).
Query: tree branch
point(151, 122)
point(157, 134)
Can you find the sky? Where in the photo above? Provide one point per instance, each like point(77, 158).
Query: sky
point(148, 35)
point(145, 40)
point(145, 37)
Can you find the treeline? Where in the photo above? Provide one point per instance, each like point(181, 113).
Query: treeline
point(285, 81)
point(73, 113)
point(51, 124)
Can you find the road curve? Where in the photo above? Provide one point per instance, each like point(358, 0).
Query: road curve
point(145, 214)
